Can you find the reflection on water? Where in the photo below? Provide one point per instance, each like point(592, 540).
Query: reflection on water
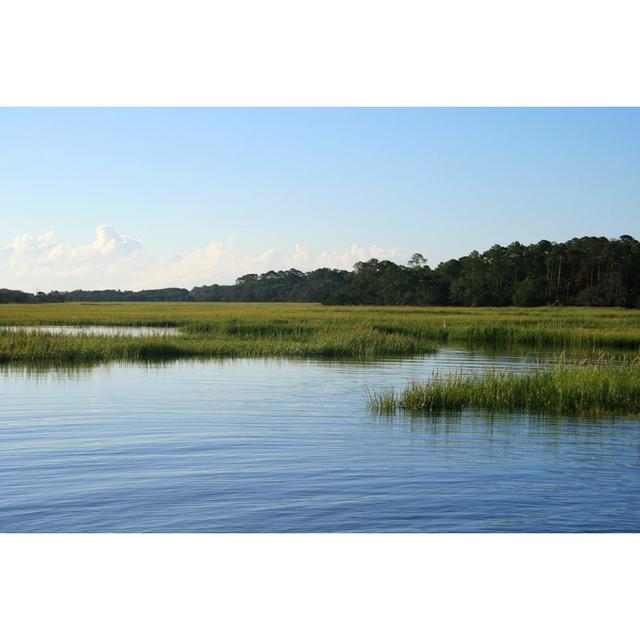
point(95, 330)
point(281, 445)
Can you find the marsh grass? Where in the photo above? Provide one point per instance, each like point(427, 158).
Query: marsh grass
point(282, 329)
point(25, 346)
point(609, 386)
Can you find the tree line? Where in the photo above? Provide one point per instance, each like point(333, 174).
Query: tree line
point(587, 271)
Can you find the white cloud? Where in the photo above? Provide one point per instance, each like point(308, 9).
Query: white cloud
point(113, 261)
point(108, 244)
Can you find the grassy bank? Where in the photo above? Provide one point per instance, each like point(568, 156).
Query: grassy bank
point(601, 388)
point(280, 329)
point(24, 346)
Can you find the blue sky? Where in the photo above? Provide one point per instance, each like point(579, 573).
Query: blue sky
point(198, 195)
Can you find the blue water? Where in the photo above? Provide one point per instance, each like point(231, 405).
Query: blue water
point(266, 445)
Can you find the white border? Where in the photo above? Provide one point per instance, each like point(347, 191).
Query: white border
point(319, 586)
point(329, 52)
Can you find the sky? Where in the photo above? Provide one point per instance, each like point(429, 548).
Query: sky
point(146, 198)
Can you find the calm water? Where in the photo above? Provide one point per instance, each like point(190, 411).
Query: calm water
point(265, 445)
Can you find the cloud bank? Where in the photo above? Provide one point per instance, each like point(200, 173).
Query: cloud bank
point(114, 261)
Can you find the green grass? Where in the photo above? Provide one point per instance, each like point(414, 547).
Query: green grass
point(587, 388)
point(307, 330)
point(24, 346)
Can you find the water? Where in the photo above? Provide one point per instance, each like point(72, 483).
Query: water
point(276, 445)
point(94, 330)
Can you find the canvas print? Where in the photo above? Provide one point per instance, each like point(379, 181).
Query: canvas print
point(319, 320)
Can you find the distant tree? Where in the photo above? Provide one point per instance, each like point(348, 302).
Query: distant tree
point(528, 293)
point(8, 296)
point(417, 260)
point(249, 277)
point(593, 271)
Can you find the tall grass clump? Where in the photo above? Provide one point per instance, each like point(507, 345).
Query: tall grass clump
point(307, 329)
point(358, 342)
point(600, 388)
